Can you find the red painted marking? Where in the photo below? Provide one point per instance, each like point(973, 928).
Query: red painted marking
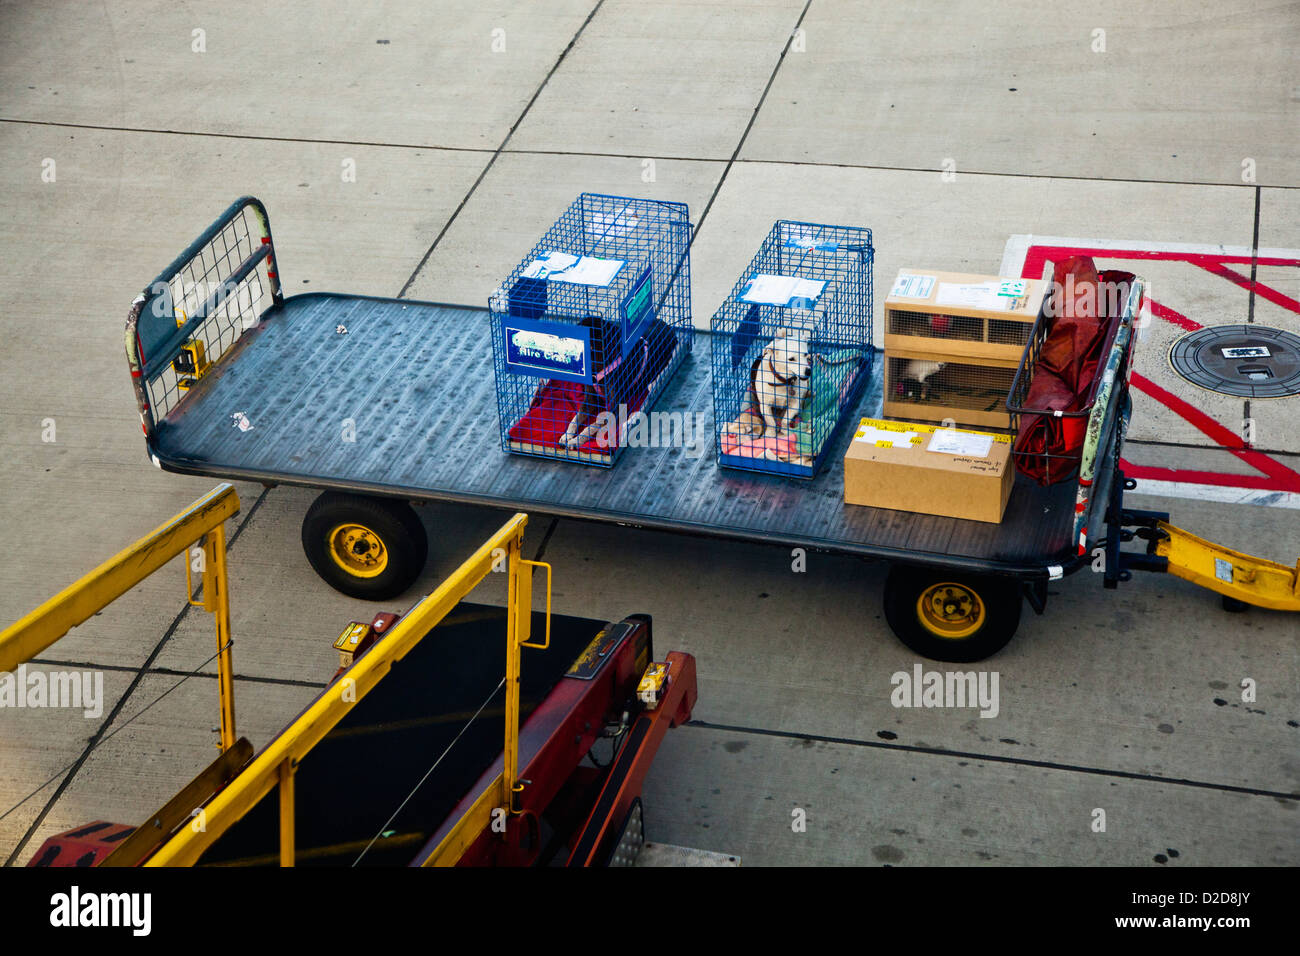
point(1036, 256)
point(1169, 315)
point(1262, 290)
point(1276, 476)
point(1219, 479)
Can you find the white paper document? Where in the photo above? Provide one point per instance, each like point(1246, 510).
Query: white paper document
point(972, 295)
point(910, 285)
point(949, 441)
point(883, 436)
point(783, 290)
point(579, 270)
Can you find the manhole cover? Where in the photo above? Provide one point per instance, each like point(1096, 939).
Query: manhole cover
point(1253, 361)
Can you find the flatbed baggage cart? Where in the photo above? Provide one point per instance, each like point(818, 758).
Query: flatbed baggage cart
point(383, 402)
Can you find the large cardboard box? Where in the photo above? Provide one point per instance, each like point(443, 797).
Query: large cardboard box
point(954, 472)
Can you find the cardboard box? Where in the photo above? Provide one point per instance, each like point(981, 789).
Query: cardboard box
point(953, 472)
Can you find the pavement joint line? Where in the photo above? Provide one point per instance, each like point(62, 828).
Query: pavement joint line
point(602, 154)
point(173, 672)
point(1066, 177)
point(254, 137)
point(750, 125)
point(997, 758)
point(121, 701)
point(497, 152)
point(1250, 307)
point(1192, 446)
point(546, 539)
point(1254, 264)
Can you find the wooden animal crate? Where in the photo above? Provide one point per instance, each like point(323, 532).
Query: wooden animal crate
point(952, 344)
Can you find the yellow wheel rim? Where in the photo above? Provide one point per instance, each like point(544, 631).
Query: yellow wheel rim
point(951, 611)
point(358, 550)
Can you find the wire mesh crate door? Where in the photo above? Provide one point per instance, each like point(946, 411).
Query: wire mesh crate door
point(937, 387)
point(589, 327)
point(792, 348)
point(219, 293)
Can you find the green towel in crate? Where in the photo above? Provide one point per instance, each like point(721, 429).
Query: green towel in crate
point(830, 378)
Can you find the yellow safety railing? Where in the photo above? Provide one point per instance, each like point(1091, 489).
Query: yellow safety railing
point(501, 791)
point(275, 766)
point(203, 523)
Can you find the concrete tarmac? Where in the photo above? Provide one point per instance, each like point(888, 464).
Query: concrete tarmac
point(468, 126)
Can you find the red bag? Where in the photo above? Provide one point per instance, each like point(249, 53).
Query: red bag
point(1072, 340)
point(1082, 310)
point(1045, 443)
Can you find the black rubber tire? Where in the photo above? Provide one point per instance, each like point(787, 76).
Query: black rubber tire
point(396, 525)
point(1232, 605)
point(1002, 599)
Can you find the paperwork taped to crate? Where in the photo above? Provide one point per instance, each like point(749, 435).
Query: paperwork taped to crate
point(911, 285)
point(973, 295)
point(885, 437)
point(789, 292)
point(578, 270)
point(950, 441)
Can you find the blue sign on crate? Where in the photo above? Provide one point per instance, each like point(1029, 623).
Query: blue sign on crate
point(637, 310)
point(803, 242)
point(547, 349)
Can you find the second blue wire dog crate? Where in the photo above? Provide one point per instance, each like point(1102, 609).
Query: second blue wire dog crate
point(590, 327)
point(794, 334)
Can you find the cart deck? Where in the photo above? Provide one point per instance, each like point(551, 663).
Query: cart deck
point(416, 379)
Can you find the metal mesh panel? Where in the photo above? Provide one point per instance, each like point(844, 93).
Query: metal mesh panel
point(937, 387)
point(786, 373)
point(235, 312)
point(590, 326)
point(1007, 332)
point(936, 325)
point(218, 289)
point(1048, 465)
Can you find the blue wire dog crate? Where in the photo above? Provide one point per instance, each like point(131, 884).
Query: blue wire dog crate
point(590, 327)
point(792, 348)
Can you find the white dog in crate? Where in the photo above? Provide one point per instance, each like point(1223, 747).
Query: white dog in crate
point(778, 387)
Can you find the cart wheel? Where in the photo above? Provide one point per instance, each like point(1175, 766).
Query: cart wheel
point(1232, 605)
point(369, 548)
point(947, 617)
